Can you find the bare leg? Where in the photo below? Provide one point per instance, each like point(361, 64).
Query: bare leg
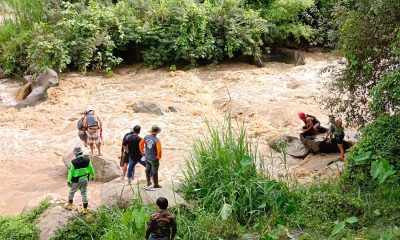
point(340, 146)
point(124, 169)
point(91, 148)
point(98, 148)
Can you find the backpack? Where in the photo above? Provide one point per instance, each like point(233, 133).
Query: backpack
point(79, 125)
point(92, 121)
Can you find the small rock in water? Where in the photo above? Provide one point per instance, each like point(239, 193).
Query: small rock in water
point(173, 109)
point(147, 107)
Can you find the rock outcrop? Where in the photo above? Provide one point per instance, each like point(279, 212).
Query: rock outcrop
point(105, 167)
point(294, 147)
point(147, 107)
point(52, 219)
point(39, 86)
point(285, 55)
point(119, 193)
point(51, 197)
point(23, 92)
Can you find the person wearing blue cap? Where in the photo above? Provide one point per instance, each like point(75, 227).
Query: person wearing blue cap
point(80, 170)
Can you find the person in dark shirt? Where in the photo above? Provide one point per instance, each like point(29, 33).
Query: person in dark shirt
point(162, 225)
point(131, 145)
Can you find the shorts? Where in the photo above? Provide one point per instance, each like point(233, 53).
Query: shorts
point(93, 136)
point(339, 138)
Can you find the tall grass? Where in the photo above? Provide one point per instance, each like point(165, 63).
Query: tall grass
point(222, 174)
point(27, 12)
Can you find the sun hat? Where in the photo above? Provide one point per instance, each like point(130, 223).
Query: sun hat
point(78, 151)
point(155, 129)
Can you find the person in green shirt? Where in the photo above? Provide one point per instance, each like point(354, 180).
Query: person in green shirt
point(80, 170)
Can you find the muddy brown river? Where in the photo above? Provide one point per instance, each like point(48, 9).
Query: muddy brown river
point(34, 139)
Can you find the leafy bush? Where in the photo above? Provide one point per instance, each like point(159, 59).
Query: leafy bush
point(222, 176)
point(380, 140)
point(285, 15)
point(368, 34)
point(21, 227)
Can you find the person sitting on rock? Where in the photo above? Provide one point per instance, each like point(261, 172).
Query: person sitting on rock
point(162, 225)
point(80, 170)
point(82, 130)
point(311, 124)
point(150, 147)
point(93, 125)
point(131, 146)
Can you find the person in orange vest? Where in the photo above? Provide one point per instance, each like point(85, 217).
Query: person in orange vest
point(150, 147)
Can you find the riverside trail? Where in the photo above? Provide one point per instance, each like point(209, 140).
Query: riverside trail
point(34, 139)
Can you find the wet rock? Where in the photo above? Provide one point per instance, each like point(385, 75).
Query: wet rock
point(258, 62)
point(51, 197)
point(37, 96)
point(52, 219)
point(317, 162)
point(23, 92)
point(173, 109)
point(117, 192)
point(105, 168)
point(2, 74)
point(28, 78)
point(285, 55)
point(294, 147)
point(47, 79)
point(147, 107)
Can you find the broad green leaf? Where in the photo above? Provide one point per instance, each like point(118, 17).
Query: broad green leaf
point(226, 211)
point(363, 156)
point(337, 228)
point(352, 220)
point(375, 169)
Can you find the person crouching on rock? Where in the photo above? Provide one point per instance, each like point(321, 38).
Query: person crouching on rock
point(80, 170)
point(311, 124)
point(162, 225)
point(150, 147)
point(93, 125)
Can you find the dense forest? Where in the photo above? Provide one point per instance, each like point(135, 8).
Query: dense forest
point(230, 195)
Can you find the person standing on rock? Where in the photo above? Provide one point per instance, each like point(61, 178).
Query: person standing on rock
point(150, 147)
point(80, 170)
point(82, 130)
point(93, 125)
point(162, 225)
point(131, 146)
point(339, 136)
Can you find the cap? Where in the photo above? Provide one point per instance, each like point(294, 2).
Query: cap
point(301, 115)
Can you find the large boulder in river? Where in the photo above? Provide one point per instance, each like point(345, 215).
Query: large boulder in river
point(294, 147)
point(52, 219)
point(23, 92)
point(52, 198)
point(285, 55)
point(37, 96)
point(105, 168)
point(117, 192)
point(147, 107)
point(47, 79)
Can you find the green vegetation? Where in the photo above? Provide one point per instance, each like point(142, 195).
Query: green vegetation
point(379, 144)
point(369, 39)
point(22, 226)
point(100, 34)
